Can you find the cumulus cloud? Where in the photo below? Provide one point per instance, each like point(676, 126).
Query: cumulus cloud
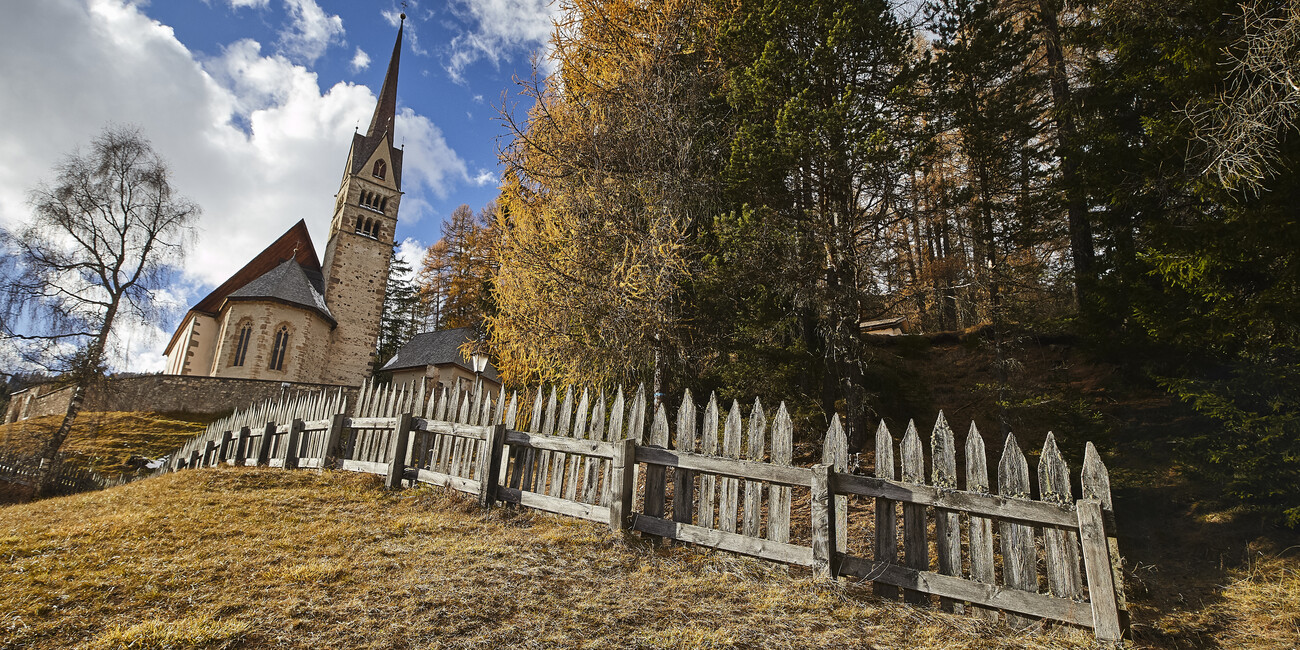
point(250, 136)
point(236, 4)
point(498, 28)
point(310, 31)
point(484, 177)
point(411, 251)
point(360, 61)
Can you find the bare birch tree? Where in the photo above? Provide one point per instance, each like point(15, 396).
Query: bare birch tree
point(102, 238)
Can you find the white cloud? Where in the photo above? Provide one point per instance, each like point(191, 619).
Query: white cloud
point(360, 61)
point(411, 251)
point(250, 137)
point(236, 4)
point(310, 32)
point(499, 28)
point(484, 177)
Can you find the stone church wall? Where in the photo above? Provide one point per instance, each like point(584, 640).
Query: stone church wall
point(204, 396)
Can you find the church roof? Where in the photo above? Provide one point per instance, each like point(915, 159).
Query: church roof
point(381, 123)
point(289, 283)
point(294, 244)
point(437, 348)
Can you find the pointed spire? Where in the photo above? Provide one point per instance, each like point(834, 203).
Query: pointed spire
point(386, 109)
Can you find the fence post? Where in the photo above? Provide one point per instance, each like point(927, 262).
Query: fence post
point(209, 453)
point(194, 459)
point(397, 462)
point(264, 445)
point(295, 440)
point(823, 523)
point(1096, 562)
point(241, 447)
point(222, 454)
point(333, 438)
point(489, 469)
point(622, 486)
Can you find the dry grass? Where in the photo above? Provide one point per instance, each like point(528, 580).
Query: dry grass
point(106, 441)
point(245, 557)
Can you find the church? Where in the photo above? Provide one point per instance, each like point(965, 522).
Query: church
point(290, 316)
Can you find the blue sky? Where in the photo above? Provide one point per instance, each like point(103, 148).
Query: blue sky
point(253, 103)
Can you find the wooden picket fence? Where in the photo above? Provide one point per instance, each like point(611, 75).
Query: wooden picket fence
point(23, 469)
point(726, 481)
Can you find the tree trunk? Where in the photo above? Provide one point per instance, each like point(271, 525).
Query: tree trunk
point(47, 476)
point(1081, 250)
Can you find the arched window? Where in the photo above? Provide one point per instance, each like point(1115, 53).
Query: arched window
point(281, 345)
point(241, 344)
point(374, 232)
point(380, 169)
point(361, 223)
point(383, 204)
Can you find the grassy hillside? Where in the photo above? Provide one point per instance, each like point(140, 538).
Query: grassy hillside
point(255, 557)
point(244, 557)
point(108, 440)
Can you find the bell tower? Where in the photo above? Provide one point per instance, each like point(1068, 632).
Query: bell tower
point(361, 238)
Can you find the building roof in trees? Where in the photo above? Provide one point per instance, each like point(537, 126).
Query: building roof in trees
point(438, 348)
point(289, 283)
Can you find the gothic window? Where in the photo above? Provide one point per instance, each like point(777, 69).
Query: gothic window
point(380, 169)
point(281, 346)
point(241, 345)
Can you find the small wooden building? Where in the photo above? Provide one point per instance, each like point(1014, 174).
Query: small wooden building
point(439, 357)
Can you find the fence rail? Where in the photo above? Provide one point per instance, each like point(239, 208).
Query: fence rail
point(24, 469)
point(728, 482)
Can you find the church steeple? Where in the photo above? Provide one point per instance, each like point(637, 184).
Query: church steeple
point(362, 233)
point(382, 122)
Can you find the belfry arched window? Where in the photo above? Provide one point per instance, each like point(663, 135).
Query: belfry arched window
point(361, 225)
point(241, 344)
point(280, 347)
point(381, 168)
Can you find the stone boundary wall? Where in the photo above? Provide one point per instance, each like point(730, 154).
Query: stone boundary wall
point(210, 396)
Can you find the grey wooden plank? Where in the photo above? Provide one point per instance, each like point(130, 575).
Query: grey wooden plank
point(722, 540)
point(980, 528)
point(365, 466)
point(372, 423)
point(1096, 485)
point(947, 523)
point(991, 596)
point(565, 445)
point(823, 524)
point(778, 504)
point(757, 439)
point(555, 505)
point(835, 452)
point(620, 487)
point(684, 479)
point(1030, 512)
point(1096, 557)
point(1062, 546)
point(655, 485)
point(886, 550)
point(1019, 555)
point(916, 546)
point(729, 499)
point(728, 467)
point(458, 483)
point(707, 495)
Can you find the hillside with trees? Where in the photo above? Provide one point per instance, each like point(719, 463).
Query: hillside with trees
point(715, 195)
